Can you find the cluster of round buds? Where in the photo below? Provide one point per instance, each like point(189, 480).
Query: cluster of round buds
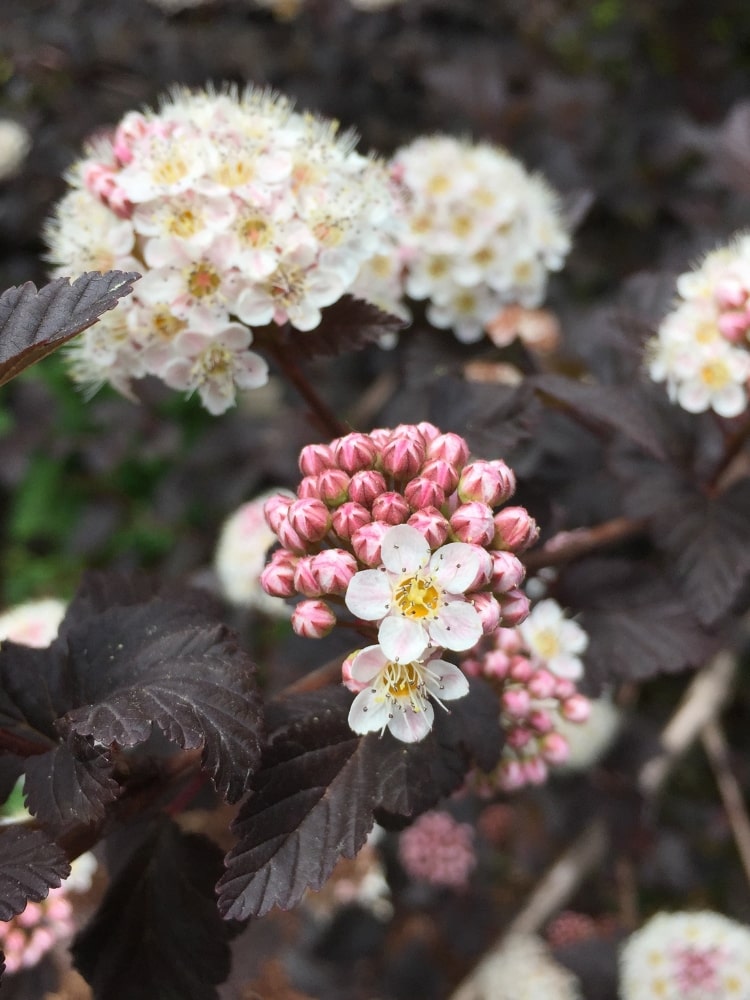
point(481, 232)
point(239, 213)
point(686, 956)
point(702, 348)
point(534, 668)
point(357, 489)
point(438, 849)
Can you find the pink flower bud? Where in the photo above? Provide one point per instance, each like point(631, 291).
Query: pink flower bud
point(489, 611)
point(391, 508)
point(314, 458)
point(542, 685)
point(313, 619)
point(310, 519)
point(730, 294)
point(355, 452)
point(521, 669)
point(365, 486)
point(515, 530)
point(471, 666)
point(534, 771)
point(428, 431)
point(346, 674)
point(450, 448)
point(333, 486)
point(348, 517)
point(308, 488)
point(290, 539)
point(484, 573)
point(497, 664)
point(516, 702)
point(305, 579)
point(367, 540)
point(577, 708)
point(508, 572)
point(517, 737)
point(511, 775)
point(488, 482)
point(514, 605)
point(733, 326)
point(275, 510)
point(333, 569)
point(539, 720)
point(380, 437)
point(473, 523)
point(402, 457)
point(132, 127)
point(509, 640)
point(564, 688)
point(431, 523)
point(277, 579)
point(554, 748)
point(421, 493)
point(442, 473)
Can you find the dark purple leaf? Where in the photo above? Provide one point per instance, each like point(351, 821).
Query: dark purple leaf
point(35, 323)
point(11, 769)
point(30, 865)
point(70, 784)
point(161, 663)
point(157, 932)
point(732, 155)
point(314, 799)
point(614, 407)
point(638, 625)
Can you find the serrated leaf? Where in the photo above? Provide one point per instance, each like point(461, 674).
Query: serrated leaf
point(638, 625)
point(144, 664)
point(34, 323)
point(30, 865)
point(157, 932)
point(70, 784)
point(615, 407)
point(314, 799)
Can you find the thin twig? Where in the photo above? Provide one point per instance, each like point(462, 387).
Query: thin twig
point(702, 702)
point(717, 751)
point(568, 545)
point(327, 420)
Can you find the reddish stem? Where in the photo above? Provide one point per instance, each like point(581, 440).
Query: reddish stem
point(568, 545)
point(326, 418)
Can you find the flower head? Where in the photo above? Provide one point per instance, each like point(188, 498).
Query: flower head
point(439, 850)
point(687, 956)
point(397, 694)
point(523, 969)
point(34, 623)
point(239, 213)
point(554, 639)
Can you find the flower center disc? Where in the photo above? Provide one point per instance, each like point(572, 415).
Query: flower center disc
point(402, 680)
point(417, 597)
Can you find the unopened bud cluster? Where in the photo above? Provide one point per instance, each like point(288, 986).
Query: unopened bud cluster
point(702, 348)
point(359, 486)
point(481, 232)
point(439, 850)
point(534, 669)
point(239, 213)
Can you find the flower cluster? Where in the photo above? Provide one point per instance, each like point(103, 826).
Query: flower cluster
point(439, 850)
point(523, 969)
point(702, 347)
point(34, 623)
point(687, 956)
point(401, 528)
point(535, 667)
point(15, 143)
point(481, 232)
point(239, 213)
point(240, 556)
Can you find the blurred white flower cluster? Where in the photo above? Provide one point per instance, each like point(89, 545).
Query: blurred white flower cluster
point(523, 969)
point(687, 956)
point(34, 623)
point(239, 212)
point(15, 143)
point(481, 232)
point(701, 348)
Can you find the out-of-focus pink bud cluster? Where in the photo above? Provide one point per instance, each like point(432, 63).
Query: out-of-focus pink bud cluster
point(534, 700)
point(439, 850)
point(28, 937)
point(360, 485)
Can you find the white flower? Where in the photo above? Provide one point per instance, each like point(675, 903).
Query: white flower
point(553, 638)
point(241, 555)
point(523, 969)
point(716, 379)
point(687, 956)
point(396, 696)
point(418, 596)
point(34, 623)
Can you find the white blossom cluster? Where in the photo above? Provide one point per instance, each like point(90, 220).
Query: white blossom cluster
point(239, 212)
point(15, 143)
point(523, 969)
point(687, 956)
point(482, 233)
point(701, 348)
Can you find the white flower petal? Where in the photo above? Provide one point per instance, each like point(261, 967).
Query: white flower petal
point(367, 714)
point(403, 640)
point(368, 663)
point(404, 549)
point(458, 626)
point(455, 566)
point(445, 681)
point(368, 595)
point(569, 667)
point(410, 726)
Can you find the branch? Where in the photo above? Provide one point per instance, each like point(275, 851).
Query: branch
point(568, 545)
point(717, 751)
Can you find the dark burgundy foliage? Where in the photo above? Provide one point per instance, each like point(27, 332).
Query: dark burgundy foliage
point(35, 323)
point(158, 923)
point(30, 865)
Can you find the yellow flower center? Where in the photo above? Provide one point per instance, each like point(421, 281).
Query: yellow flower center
point(715, 374)
point(215, 361)
point(546, 644)
point(403, 680)
point(203, 280)
point(417, 597)
point(169, 171)
point(184, 223)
